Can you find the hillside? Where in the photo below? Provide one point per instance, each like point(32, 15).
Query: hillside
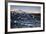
point(20, 19)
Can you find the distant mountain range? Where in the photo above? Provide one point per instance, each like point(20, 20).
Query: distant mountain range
point(18, 11)
point(24, 11)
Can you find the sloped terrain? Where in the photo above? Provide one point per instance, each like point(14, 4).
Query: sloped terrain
point(24, 20)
